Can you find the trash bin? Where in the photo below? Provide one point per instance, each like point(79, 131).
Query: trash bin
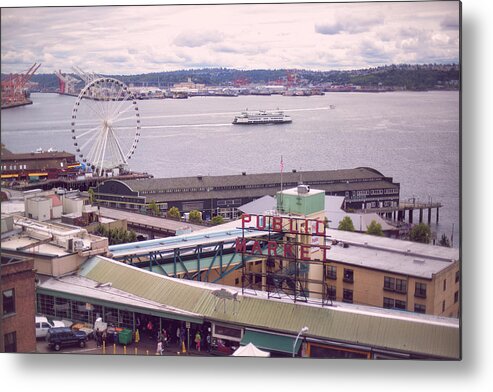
point(125, 337)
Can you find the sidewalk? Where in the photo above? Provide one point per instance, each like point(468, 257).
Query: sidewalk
point(144, 347)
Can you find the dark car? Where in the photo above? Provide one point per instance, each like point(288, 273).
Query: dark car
point(63, 336)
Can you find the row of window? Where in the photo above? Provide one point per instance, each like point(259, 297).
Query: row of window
point(389, 283)
point(276, 185)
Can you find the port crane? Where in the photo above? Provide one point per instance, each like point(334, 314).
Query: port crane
point(14, 91)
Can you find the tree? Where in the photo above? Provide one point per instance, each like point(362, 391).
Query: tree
point(174, 212)
point(154, 208)
point(195, 216)
point(217, 220)
point(374, 228)
point(91, 195)
point(346, 224)
point(444, 241)
point(116, 236)
point(420, 233)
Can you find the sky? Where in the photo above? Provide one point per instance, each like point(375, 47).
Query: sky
point(141, 39)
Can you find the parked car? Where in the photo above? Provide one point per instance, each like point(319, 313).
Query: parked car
point(42, 325)
point(62, 336)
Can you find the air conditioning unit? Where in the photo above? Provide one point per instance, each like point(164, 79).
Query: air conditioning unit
point(303, 189)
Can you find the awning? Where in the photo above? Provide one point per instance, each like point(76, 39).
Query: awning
point(271, 342)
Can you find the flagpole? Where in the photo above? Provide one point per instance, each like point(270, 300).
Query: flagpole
point(282, 167)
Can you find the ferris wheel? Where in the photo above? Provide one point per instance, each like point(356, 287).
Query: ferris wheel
point(105, 125)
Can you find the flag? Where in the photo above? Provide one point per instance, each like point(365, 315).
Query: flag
point(282, 164)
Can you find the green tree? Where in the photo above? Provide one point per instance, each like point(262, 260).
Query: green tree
point(420, 233)
point(116, 236)
point(154, 208)
point(91, 195)
point(346, 224)
point(174, 212)
point(195, 216)
point(217, 220)
point(374, 228)
point(444, 241)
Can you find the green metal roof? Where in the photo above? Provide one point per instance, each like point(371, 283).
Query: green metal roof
point(386, 330)
point(272, 342)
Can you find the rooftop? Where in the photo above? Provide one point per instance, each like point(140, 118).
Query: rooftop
point(307, 177)
point(386, 329)
point(387, 254)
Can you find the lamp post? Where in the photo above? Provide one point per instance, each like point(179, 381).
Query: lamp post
point(303, 330)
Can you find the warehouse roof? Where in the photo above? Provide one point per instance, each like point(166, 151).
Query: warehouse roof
point(308, 177)
point(385, 329)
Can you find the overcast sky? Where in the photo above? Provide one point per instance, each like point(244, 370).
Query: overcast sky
point(140, 39)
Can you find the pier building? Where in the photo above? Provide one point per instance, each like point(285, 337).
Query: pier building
point(363, 188)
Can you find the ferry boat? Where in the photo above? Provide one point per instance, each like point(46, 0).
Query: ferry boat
point(262, 117)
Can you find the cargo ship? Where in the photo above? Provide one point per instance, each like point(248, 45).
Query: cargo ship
point(262, 117)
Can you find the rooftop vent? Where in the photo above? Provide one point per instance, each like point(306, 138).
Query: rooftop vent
point(294, 170)
point(243, 173)
point(303, 189)
point(419, 261)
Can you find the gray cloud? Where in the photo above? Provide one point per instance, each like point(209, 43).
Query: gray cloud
point(451, 22)
point(348, 24)
point(194, 39)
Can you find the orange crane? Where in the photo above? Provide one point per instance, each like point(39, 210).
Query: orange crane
point(14, 92)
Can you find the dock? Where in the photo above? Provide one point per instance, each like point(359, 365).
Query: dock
point(399, 213)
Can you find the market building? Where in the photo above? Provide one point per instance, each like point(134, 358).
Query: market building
point(273, 292)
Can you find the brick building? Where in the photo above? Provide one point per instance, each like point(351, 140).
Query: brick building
point(17, 285)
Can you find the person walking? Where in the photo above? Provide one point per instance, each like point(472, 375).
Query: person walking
point(159, 348)
point(98, 337)
point(197, 341)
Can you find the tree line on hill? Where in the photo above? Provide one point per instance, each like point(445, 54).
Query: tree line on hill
point(409, 77)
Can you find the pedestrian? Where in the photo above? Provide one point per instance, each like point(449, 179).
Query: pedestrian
point(159, 348)
point(149, 329)
point(178, 336)
point(208, 340)
point(103, 336)
point(98, 338)
point(197, 341)
point(164, 335)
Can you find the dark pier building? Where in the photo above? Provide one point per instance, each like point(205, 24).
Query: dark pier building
point(362, 187)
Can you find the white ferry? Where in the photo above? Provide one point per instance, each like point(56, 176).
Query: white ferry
point(262, 117)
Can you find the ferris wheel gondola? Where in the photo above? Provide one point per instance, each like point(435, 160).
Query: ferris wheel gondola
point(105, 125)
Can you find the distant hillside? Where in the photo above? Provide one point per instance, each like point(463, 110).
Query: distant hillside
point(410, 77)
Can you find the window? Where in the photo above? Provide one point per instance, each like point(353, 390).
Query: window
point(401, 286)
point(457, 277)
point(348, 275)
point(8, 299)
point(444, 284)
point(420, 290)
point(388, 283)
point(400, 304)
point(456, 297)
point(332, 272)
point(10, 342)
point(419, 308)
point(443, 306)
point(332, 292)
point(347, 296)
point(388, 303)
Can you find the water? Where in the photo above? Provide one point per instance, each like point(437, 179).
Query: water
point(410, 136)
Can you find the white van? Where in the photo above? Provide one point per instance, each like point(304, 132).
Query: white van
point(43, 325)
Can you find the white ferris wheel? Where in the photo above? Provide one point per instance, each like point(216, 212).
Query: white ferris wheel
point(105, 125)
